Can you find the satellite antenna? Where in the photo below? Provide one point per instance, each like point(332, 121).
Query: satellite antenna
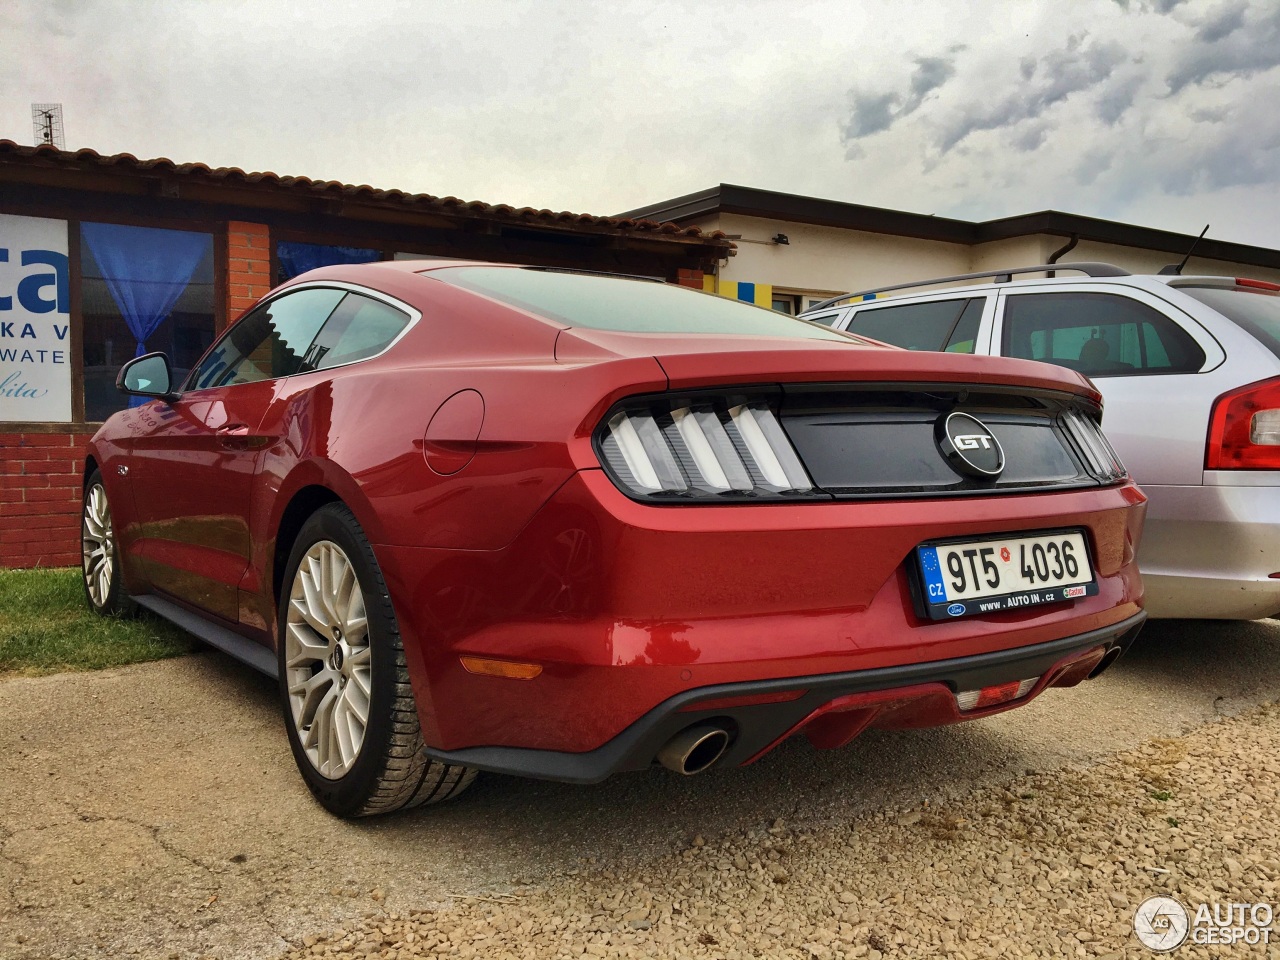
point(46, 123)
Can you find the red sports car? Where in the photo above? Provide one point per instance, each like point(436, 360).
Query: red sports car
point(562, 524)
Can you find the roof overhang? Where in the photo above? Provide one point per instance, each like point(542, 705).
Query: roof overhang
point(772, 205)
point(229, 192)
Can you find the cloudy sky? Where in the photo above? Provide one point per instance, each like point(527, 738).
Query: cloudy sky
point(1160, 112)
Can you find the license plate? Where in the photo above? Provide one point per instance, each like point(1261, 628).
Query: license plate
point(987, 576)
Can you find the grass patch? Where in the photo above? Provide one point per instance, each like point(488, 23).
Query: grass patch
point(46, 627)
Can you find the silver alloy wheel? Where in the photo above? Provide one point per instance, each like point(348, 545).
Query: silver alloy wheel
point(327, 659)
point(97, 545)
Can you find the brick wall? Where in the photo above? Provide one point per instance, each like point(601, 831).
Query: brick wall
point(248, 267)
point(689, 278)
point(40, 487)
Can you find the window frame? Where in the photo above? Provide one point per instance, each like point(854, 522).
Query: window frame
point(982, 340)
point(413, 313)
point(1214, 355)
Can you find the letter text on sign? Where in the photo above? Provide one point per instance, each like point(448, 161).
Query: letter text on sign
point(35, 377)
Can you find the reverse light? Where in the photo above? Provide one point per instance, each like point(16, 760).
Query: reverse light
point(1244, 429)
point(995, 695)
point(708, 447)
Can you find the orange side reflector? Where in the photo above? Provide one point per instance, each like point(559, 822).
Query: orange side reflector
point(501, 668)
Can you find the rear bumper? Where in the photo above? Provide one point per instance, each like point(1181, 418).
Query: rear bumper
point(1210, 552)
point(831, 709)
point(624, 605)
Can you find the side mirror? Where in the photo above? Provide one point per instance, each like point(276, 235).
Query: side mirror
point(147, 376)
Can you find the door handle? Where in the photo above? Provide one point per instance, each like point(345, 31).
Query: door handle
point(233, 436)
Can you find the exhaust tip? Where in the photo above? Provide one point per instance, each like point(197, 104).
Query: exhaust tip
point(694, 750)
point(1108, 658)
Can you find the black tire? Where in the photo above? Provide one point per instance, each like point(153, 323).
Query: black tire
point(390, 770)
point(100, 554)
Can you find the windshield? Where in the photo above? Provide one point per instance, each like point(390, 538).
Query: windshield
point(633, 306)
point(1257, 311)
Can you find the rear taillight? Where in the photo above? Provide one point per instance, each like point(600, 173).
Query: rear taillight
point(1256, 284)
point(1244, 429)
point(708, 448)
point(1086, 433)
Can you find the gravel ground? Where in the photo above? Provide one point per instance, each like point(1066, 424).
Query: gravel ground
point(155, 811)
point(1049, 865)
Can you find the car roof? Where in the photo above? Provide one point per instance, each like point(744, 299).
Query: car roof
point(913, 291)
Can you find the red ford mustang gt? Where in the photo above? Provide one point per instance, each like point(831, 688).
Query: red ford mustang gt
point(559, 524)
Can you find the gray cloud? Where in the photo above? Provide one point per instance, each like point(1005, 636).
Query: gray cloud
point(874, 112)
point(1115, 101)
point(1231, 51)
point(1159, 6)
point(1092, 164)
point(1225, 21)
point(1029, 139)
point(1210, 114)
point(1075, 68)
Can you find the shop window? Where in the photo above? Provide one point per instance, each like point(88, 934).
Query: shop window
point(142, 289)
point(293, 258)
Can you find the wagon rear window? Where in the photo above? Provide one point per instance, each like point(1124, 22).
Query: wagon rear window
point(619, 303)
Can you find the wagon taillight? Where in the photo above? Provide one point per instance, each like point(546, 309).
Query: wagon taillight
point(1244, 429)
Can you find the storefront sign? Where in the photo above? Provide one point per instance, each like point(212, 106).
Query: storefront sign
point(35, 321)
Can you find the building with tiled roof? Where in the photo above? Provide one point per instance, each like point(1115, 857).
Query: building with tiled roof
point(105, 257)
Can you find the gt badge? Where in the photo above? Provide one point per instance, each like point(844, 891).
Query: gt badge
point(969, 446)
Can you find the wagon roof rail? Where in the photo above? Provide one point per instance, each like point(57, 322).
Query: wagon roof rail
point(1087, 267)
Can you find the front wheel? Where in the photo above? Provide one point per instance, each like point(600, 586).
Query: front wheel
point(99, 555)
point(344, 683)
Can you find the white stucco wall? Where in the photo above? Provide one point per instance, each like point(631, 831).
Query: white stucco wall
point(831, 259)
point(834, 260)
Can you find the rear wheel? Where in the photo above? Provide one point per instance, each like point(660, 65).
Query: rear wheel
point(100, 558)
point(348, 705)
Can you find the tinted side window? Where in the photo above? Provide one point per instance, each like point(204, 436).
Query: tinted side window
point(965, 334)
point(270, 342)
point(916, 326)
point(1099, 334)
point(359, 328)
point(826, 319)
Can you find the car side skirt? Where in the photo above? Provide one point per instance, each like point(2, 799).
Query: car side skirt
point(262, 659)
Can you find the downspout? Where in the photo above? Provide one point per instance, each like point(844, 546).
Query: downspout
point(1062, 251)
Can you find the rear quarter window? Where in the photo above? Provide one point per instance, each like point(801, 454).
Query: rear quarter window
point(1098, 334)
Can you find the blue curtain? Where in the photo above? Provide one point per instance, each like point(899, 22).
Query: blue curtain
point(146, 270)
point(296, 258)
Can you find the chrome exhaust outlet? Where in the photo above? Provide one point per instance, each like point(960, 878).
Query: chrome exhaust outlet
point(693, 750)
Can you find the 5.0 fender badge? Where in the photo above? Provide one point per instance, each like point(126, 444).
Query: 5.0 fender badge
point(969, 446)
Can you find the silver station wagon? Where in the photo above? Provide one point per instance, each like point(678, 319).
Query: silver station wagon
point(1190, 371)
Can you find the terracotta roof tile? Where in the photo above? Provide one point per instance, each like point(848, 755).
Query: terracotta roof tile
point(86, 158)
